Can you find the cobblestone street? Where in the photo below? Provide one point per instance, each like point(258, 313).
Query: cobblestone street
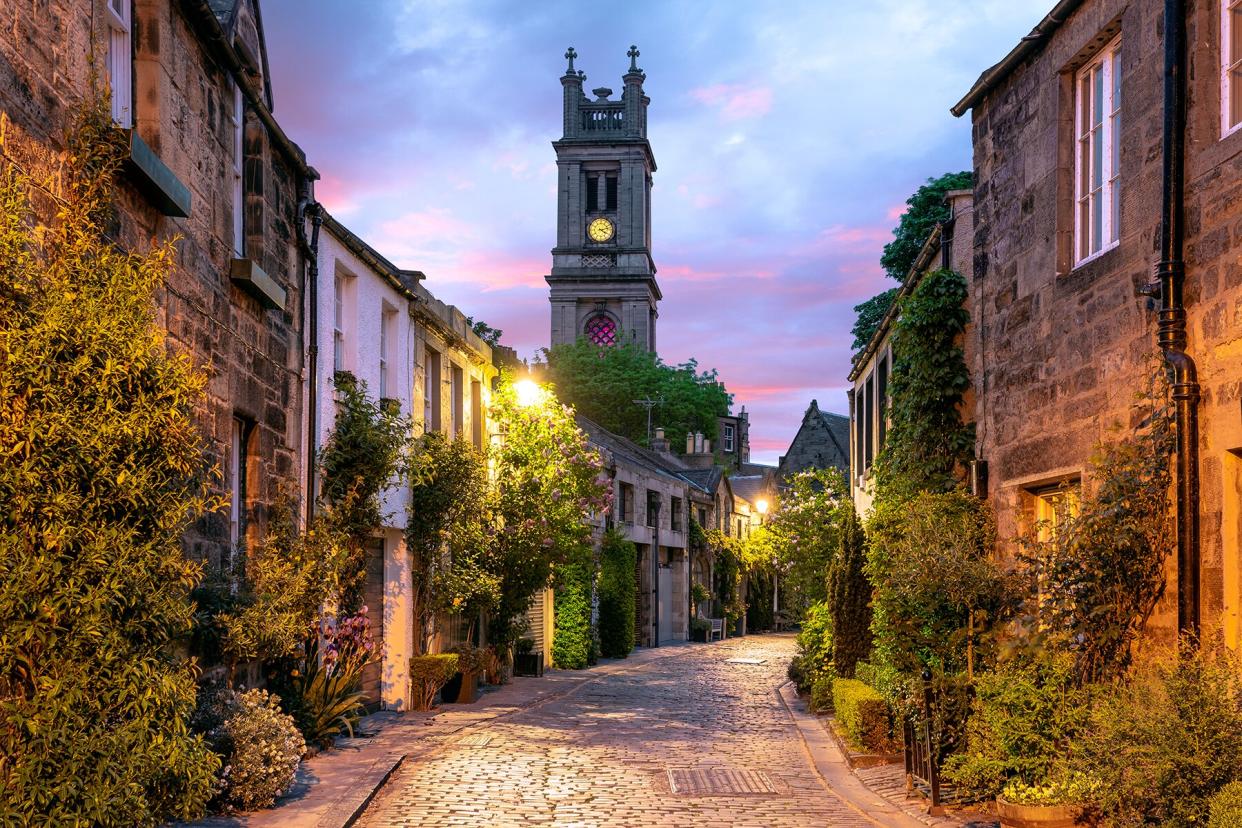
point(616, 751)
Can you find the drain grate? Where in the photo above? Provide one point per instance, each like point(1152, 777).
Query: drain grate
point(745, 660)
point(719, 782)
point(475, 740)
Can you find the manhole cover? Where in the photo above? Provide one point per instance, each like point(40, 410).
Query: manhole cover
point(475, 740)
point(745, 660)
point(718, 782)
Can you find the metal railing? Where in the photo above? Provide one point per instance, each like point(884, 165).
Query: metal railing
point(919, 748)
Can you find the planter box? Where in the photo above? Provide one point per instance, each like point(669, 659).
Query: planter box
point(462, 688)
point(1036, 816)
point(700, 635)
point(528, 664)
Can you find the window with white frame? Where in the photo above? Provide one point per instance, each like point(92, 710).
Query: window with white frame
point(238, 118)
point(1097, 132)
point(120, 62)
point(388, 325)
point(728, 438)
point(338, 322)
point(237, 482)
point(1054, 507)
point(1230, 66)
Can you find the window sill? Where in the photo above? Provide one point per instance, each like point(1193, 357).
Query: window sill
point(153, 177)
point(1099, 254)
point(250, 277)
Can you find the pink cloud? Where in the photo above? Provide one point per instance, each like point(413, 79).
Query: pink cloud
point(735, 101)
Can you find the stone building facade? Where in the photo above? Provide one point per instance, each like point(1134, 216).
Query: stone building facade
point(1065, 287)
point(822, 442)
point(187, 81)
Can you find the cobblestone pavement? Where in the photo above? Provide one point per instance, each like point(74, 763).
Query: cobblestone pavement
point(602, 755)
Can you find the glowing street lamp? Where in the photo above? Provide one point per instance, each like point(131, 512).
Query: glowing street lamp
point(762, 506)
point(528, 393)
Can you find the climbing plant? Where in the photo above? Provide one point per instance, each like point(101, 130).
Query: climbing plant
point(618, 591)
point(572, 639)
point(924, 210)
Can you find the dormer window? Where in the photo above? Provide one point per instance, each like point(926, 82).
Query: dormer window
point(120, 63)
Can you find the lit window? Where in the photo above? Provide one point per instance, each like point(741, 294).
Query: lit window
point(728, 438)
point(120, 62)
point(1231, 65)
point(602, 330)
point(1097, 129)
point(238, 118)
point(1054, 507)
point(338, 323)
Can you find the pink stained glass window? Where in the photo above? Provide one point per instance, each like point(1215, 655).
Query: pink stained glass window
point(602, 330)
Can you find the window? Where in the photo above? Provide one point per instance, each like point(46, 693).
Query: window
point(338, 323)
point(1054, 505)
point(653, 508)
point(388, 325)
point(592, 194)
point(476, 413)
point(625, 503)
point(431, 393)
point(120, 62)
point(881, 399)
point(1097, 129)
point(238, 118)
point(703, 517)
point(457, 390)
point(674, 514)
point(610, 192)
point(727, 442)
point(601, 330)
point(1230, 66)
point(868, 425)
point(237, 482)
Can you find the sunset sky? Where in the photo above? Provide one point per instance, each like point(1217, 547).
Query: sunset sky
point(788, 136)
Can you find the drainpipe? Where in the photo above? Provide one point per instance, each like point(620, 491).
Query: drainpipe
point(655, 577)
point(1171, 330)
point(308, 206)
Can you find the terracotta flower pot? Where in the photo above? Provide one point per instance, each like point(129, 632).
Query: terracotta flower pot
point(461, 689)
point(1037, 816)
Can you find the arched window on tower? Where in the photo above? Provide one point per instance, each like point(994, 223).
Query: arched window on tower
point(601, 329)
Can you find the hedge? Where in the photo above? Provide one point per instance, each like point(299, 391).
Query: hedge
point(822, 695)
point(428, 673)
point(571, 637)
point(864, 714)
point(617, 595)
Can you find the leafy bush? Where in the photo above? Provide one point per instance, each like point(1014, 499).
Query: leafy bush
point(884, 678)
point(261, 747)
point(698, 595)
point(821, 693)
point(864, 715)
point(428, 673)
point(1225, 807)
point(814, 658)
point(700, 625)
point(571, 637)
point(808, 525)
point(617, 594)
point(322, 694)
point(102, 469)
point(1066, 789)
point(470, 659)
point(1163, 743)
point(1024, 723)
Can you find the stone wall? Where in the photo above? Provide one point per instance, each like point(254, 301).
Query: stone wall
point(182, 93)
point(1058, 352)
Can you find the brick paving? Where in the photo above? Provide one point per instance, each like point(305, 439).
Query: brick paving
point(610, 752)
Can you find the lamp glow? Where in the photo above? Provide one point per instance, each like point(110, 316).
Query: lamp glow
point(528, 393)
point(762, 506)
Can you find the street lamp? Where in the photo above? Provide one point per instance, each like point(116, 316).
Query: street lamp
point(528, 393)
point(762, 506)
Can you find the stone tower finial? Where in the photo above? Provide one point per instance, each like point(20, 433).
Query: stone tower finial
point(570, 54)
point(633, 54)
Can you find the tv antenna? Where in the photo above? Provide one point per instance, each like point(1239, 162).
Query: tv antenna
point(649, 404)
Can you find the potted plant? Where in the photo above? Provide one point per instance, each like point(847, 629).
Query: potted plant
point(1060, 802)
point(527, 662)
point(698, 596)
point(463, 687)
point(428, 673)
point(700, 628)
point(495, 665)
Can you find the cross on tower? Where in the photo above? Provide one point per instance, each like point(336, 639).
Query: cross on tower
point(570, 55)
point(633, 54)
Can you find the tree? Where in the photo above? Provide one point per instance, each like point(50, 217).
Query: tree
point(849, 597)
point(603, 383)
point(924, 210)
point(572, 640)
point(807, 525)
point(485, 331)
point(617, 591)
point(870, 314)
point(102, 469)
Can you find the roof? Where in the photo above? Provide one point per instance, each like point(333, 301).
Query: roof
point(1027, 46)
point(836, 426)
point(752, 487)
point(401, 280)
point(632, 453)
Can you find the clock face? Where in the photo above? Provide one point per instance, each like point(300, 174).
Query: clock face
point(600, 230)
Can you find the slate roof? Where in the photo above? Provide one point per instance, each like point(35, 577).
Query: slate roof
point(707, 480)
point(628, 450)
point(752, 487)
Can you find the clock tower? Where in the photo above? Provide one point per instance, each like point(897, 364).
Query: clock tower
point(602, 284)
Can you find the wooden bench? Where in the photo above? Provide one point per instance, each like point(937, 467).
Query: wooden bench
point(717, 630)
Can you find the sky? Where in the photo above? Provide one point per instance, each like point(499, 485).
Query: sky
point(787, 135)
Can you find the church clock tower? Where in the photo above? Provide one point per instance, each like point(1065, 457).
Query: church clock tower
point(602, 284)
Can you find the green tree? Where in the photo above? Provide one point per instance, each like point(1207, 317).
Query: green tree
point(602, 384)
point(849, 597)
point(807, 524)
point(924, 210)
point(618, 590)
point(549, 480)
point(571, 638)
point(928, 444)
point(870, 314)
point(101, 471)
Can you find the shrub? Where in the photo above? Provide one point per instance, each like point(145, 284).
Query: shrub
point(495, 665)
point(886, 680)
point(821, 694)
point(322, 694)
point(571, 636)
point(102, 469)
point(428, 673)
point(849, 597)
point(1024, 722)
point(1165, 742)
point(698, 595)
point(700, 625)
point(1225, 807)
point(1065, 789)
point(617, 594)
point(261, 747)
point(470, 659)
point(814, 658)
point(864, 715)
